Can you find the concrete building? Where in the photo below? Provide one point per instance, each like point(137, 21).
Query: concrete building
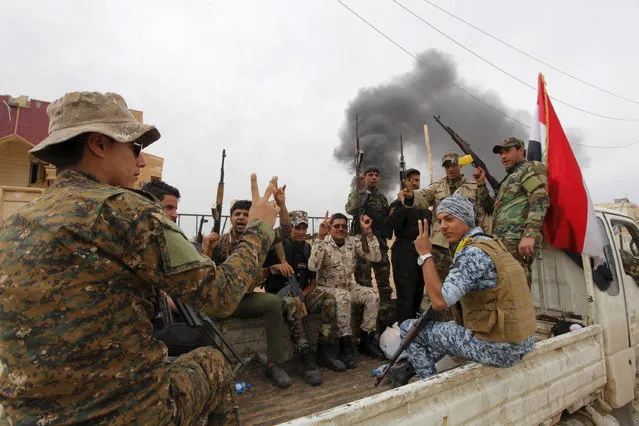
point(623, 205)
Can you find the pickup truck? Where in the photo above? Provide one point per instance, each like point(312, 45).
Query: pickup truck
point(586, 376)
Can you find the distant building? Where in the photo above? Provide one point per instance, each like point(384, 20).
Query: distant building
point(23, 124)
point(623, 205)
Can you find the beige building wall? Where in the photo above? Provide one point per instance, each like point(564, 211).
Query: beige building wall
point(153, 169)
point(15, 163)
point(624, 206)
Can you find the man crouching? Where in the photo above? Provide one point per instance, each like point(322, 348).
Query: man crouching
point(487, 291)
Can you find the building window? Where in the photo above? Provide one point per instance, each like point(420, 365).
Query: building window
point(34, 174)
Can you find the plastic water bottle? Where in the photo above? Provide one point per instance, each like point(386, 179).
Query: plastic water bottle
point(377, 372)
point(241, 387)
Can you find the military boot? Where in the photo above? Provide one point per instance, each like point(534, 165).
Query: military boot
point(347, 351)
point(400, 375)
point(368, 346)
point(312, 375)
point(278, 376)
point(327, 353)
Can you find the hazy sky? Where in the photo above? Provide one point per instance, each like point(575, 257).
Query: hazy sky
point(270, 81)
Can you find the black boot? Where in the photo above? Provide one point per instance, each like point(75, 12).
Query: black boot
point(400, 375)
point(312, 375)
point(278, 376)
point(368, 346)
point(347, 351)
point(327, 353)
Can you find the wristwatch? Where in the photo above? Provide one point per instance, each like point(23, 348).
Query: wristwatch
point(421, 259)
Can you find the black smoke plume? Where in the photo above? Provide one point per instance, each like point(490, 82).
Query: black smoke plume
point(409, 101)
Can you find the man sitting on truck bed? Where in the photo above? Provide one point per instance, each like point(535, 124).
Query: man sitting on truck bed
point(488, 291)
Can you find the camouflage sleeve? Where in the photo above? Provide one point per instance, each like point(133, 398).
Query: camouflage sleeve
point(161, 255)
point(318, 251)
point(374, 253)
point(484, 199)
point(423, 198)
point(352, 204)
point(283, 232)
point(534, 183)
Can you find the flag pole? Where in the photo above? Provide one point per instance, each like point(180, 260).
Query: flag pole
point(429, 152)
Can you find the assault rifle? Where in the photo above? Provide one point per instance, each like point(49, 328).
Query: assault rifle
point(414, 331)
point(402, 163)
point(211, 333)
point(363, 195)
point(200, 235)
point(293, 289)
point(219, 199)
point(466, 149)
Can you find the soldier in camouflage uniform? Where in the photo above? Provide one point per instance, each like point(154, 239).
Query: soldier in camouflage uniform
point(77, 269)
point(333, 258)
point(298, 252)
point(630, 264)
point(521, 204)
point(270, 306)
point(453, 183)
point(494, 315)
point(376, 207)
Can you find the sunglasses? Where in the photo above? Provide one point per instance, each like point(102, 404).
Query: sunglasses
point(340, 226)
point(137, 148)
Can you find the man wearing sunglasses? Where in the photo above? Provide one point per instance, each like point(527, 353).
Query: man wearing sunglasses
point(333, 257)
point(77, 269)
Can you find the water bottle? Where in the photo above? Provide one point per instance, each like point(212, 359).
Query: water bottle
point(377, 372)
point(241, 387)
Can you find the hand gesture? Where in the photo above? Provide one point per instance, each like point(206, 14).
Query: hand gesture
point(422, 243)
point(280, 196)
point(262, 207)
point(209, 243)
point(527, 247)
point(325, 227)
point(401, 196)
point(479, 175)
point(365, 224)
point(408, 193)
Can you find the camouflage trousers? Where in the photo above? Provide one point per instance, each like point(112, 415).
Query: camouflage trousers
point(201, 389)
point(448, 338)
point(363, 277)
point(356, 295)
point(513, 248)
point(324, 303)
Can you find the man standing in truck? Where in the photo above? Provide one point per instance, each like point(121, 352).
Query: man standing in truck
point(77, 269)
point(521, 204)
point(487, 289)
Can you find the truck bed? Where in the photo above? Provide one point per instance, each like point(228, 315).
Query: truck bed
point(266, 404)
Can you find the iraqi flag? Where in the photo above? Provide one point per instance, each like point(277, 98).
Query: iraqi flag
point(570, 221)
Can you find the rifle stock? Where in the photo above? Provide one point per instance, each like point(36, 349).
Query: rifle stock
point(219, 199)
point(293, 289)
point(466, 149)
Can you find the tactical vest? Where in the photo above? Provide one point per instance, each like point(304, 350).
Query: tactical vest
point(504, 313)
point(468, 189)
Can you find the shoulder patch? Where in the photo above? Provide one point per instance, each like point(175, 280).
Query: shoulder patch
point(178, 254)
point(532, 183)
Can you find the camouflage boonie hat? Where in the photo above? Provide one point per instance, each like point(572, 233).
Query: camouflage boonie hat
point(507, 143)
point(82, 112)
point(450, 157)
point(298, 217)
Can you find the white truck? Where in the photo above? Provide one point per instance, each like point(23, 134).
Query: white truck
point(585, 376)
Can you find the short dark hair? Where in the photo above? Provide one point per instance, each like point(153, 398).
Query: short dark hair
point(159, 189)
point(69, 153)
point(338, 216)
point(242, 205)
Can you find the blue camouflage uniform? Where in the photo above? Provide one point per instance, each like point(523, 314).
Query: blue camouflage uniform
point(472, 269)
